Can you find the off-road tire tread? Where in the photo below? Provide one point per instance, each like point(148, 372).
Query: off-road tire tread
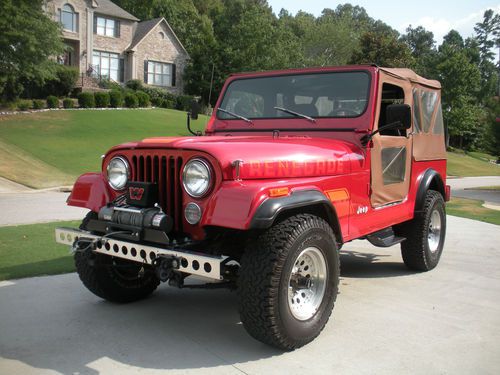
point(259, 279)
point(413, 248)
point(97, 279)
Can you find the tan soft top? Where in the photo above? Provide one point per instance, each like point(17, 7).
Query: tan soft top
point(411, 76)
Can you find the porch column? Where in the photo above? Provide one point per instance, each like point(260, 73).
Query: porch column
point(90, 37)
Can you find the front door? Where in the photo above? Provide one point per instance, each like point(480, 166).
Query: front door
point(391, 152)
point(70, 56)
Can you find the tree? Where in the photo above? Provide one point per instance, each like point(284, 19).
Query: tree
point(28, 40)
point(487, 37)
point(382, 47)
point(422, 46)
point(486, 32)
point(461, 81)
point(493, 121)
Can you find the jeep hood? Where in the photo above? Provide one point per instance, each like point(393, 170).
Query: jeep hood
point(263, 157)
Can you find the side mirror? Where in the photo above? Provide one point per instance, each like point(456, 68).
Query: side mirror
point(195, 109)
point(399, 113)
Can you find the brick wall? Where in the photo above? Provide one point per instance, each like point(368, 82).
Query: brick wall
point(80, 37)
point(166, 49)
point(116, 45)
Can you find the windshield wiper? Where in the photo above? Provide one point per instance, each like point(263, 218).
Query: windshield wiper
point(235, 115)
point(297, 114)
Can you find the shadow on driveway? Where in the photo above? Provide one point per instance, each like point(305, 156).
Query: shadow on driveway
point(357, 264)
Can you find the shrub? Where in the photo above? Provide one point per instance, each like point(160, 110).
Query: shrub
point(167, 103)
point(143, 99)
point(24, 105)
point(68, 103)
point(116, 99)
point(63, 83)
point(86, 100)
point(134, 84)
point(183, 102)
point(131, 100)
point(8, 105)
point(38, 104)
point(101, 99)
point(159, 96)
point(52, 101)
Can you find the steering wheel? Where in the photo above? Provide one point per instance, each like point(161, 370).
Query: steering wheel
point(343, 112)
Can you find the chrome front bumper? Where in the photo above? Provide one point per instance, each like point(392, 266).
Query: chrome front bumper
point(204, 265)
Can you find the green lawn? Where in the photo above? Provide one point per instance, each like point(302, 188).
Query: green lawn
point(68, 143)
point(31, 250)
point(463, 165)
point(472, 209)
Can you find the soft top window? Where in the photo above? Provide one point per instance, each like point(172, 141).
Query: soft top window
point(335, 94)
point(427, 113)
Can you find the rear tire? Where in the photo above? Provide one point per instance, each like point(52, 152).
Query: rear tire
point(113, 279)
point(288, 282)
point(425, 234)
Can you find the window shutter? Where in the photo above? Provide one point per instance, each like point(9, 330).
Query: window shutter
point(173, 75)
point(146, 71)
point(95, 24)
point(117, 28)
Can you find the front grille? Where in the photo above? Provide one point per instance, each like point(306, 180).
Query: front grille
point(164, 171)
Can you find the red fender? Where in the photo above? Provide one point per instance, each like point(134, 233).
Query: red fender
point(91, 190)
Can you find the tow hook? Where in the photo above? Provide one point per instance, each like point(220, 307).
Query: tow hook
point(166, 267)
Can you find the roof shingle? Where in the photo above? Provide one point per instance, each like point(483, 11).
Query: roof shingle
point(143, 28)
point(109, 8)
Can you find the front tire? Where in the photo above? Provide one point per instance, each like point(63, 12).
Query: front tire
point(425, 234)
point(114, 279)
point(288, 282)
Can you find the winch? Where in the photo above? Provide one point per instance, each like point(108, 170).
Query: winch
point(153, 218)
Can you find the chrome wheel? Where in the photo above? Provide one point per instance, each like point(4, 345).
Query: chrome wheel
point(434, 233)
point(307, 283)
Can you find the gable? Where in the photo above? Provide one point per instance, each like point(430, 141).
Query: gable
point(149, 31)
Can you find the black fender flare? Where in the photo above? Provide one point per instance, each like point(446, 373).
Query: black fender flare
point(269, 210)
point(431, 179)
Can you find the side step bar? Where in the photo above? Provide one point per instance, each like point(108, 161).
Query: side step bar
point(190, 262)
point(384, 238)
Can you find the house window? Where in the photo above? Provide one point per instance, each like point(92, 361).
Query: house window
point(106, 27)
point(107, 65)
point(68, 18)
point(159, 74)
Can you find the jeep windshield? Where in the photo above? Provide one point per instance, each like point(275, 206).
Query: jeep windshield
point(300, 96)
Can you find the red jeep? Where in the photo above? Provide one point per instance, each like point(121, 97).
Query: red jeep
point(293, 164)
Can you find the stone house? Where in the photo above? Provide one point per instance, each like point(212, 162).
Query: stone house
point(105, 41)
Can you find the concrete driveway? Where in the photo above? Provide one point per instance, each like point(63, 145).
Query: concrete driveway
point(387, 320)
point(464, 188)
point(37, 207)
point(22, 205)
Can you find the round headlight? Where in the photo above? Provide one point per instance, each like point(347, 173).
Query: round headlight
point(196, 178)
point(118, 173)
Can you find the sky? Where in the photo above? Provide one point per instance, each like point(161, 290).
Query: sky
point(436, 16)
